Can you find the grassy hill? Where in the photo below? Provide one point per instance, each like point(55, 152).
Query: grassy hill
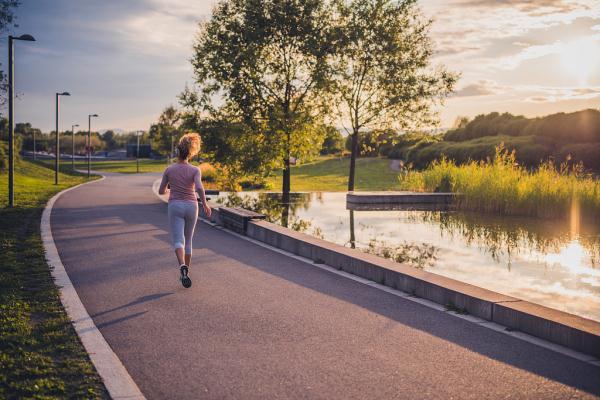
point(331, 174)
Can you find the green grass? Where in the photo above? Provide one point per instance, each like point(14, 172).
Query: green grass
point(41, 356)
point(121, 166)
point(331, 174)
point(501, 186)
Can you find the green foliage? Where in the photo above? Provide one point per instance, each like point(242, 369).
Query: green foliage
point(580, 126)
point(238, 152)
point(268, 59)
point(108, 138)
point(382, 65)
point(406, 144)
point(165, 133)
point(531, 150)
point(502, 186)
point(374, 143)
point(46, 142)
point(333, 142)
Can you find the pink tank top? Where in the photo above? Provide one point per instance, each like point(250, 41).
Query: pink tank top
point(183, 179)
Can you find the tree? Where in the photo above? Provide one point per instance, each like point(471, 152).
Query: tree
point(165, 131)
point(333, 142)
point(109, 139)
point(268, 60)
point(382, 69)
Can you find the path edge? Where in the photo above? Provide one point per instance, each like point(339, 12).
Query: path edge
point(115, 377)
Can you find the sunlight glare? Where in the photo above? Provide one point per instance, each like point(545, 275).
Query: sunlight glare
point(581, 57)
point(572, 256)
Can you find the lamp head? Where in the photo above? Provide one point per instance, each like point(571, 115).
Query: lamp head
point(64, 94)
point(94, 115)
point(25, 37)
point(75, 125)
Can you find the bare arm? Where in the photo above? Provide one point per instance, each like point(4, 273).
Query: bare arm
point(200, 187)
point(163, 184)
point(201, 193)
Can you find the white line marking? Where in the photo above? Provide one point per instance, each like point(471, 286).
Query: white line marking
point(427, 303)
point(115, 377)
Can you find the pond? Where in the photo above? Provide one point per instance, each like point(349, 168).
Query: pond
point(549, 262)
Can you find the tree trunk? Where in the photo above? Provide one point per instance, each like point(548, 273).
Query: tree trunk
point(286, 171)
point(353, 155)
point(285, 212)
point(286, 178)
point(352, 237)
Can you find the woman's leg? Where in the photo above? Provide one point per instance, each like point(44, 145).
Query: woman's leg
point(177, 224)
point(191, 216)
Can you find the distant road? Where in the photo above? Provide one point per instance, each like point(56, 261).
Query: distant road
point(257, 324)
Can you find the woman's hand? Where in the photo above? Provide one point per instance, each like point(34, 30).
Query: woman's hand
point(207, 209)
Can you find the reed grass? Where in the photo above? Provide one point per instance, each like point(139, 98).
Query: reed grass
point(503, 187)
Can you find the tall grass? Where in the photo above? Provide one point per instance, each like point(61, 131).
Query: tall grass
point(501, 186)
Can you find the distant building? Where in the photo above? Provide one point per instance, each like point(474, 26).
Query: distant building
point(145, 150)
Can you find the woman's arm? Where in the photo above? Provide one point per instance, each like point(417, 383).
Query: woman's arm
point(163, 184)
point(201, 193)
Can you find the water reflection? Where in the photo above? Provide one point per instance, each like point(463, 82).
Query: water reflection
point(568, 243)
point(554, 263)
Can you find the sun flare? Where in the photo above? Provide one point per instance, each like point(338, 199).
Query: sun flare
point(581, 57)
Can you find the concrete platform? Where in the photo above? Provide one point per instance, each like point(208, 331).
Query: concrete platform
point(399, 198)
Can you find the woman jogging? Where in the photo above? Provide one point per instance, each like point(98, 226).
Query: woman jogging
point(182, 180)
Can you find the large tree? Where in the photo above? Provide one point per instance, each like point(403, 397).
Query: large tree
point(268, 60)
point(383, 74)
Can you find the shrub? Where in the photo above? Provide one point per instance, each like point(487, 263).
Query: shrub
point(530, 150)
point(209, 173)
point(587, 154)
point(333, 142)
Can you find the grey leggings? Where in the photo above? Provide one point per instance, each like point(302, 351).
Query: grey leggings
point(182, 221)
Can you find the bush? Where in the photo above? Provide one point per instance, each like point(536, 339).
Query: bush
point(409, 142)
point(209, 173)
point(333, 142)
point(586, 153)
point(530, 150)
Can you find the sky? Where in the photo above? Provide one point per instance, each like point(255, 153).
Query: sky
point(126, 60)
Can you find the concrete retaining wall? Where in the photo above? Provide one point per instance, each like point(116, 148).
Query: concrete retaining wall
point(555, 326)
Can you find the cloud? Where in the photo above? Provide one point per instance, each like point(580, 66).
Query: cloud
point(555, 94)
point(480, 88)
point(483, 22)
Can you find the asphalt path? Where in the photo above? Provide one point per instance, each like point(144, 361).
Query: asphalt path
point(257, 324)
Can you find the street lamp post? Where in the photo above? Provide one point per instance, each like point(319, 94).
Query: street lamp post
point(57, 143)
point(11, 133)
point(89, 147)
point(73, 146)
point(137, 158)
